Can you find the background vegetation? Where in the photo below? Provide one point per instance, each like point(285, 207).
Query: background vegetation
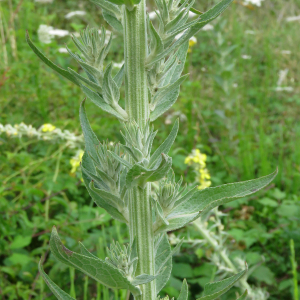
point(240, 106)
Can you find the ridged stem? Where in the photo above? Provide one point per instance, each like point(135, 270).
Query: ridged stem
point(137, 108)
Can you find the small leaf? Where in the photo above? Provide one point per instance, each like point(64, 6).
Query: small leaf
point(142, 279)
point(165, 104)
point(49, 63)
point(164, 92)
point(216, 289)
point(119, 76)
point(109, 7)
point(157, 45)
point(244, 296)
point(87, 163)
point(165, 146)
point(108, 197)
point(90, 138)
point(98, 100)
point(91, 84)
point(94, 268)
point(55, 289)
point(111, 93)
point(177, 247)
point(120, 159)
point(207, 199)
point(112, 21)
point(184, 292)
point(163, 258)
point(175, 222)
point(139, 175)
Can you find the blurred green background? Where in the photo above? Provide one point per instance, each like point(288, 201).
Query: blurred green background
point(240, 107)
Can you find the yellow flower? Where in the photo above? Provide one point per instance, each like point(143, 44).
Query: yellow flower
point(76, 160)
point(192, 43)
point(48, 127)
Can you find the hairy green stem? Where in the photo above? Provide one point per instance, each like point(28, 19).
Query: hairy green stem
point(137, 108)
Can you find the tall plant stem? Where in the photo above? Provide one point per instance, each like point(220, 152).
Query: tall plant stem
point(137, 107)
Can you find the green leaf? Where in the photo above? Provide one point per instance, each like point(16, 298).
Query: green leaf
point(56, 290)
point(166, 259)
point(157, 44)
point(94, 268)
point(142, 279)
point(139, 175)
point(205, 200)
point(161, 96)
point(111, 93)
point(113, 200)
point(87, 163)
point(120, 159)
point(20, 241)
point(165, 146)
point(112, 21)
point(163, 258)
point(176, 222)
point(244, 296)
point(119, 76)
point(184, 292)
point(90, 138)
point(202, 20)
point(98, 100)
point(49, 63)
point(109, 7)
point(164, 105)
point(85, 252)
point(216, 289)
point(91, 84)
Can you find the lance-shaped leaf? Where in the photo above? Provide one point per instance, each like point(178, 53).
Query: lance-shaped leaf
point(157, 45)
point(142, 279)
point(120, 159)
point(55, 289)
point(139, 175)
point(113, 200)
point(166, 259)
point(205, 200)
point(111, 91)
point(175, 68)
point(184, 292)
point(162, 256)
point(175, 222)
point(119, 76)
point(90, 138)
point(87, 163)
point(202, 20)
point(164, 104)
point(99, 101)
point(244, 296)
point(109, 7)
point(216, 289)
point(94, 268)
point(49, 63)
point(165, 146)
point(112, 21)
point(161, 95)
point(88, 82)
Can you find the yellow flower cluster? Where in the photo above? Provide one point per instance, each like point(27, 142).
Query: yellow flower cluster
point(192, 43)
point(76, 160)
point(48, 127)
point(198, 161)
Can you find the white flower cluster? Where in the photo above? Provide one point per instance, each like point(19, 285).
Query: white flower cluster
point(46, 132)
point(253, 2)
point(47, 33)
